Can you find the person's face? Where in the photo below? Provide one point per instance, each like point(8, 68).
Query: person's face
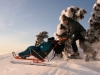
point(65, 22)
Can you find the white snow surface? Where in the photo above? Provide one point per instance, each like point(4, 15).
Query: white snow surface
point(70, 67)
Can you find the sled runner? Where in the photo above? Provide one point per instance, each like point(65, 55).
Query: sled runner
point(48, 64)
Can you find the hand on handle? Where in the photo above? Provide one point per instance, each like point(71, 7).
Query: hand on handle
point(62, 39)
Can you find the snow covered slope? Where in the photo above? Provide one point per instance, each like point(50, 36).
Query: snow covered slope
point(71, 67)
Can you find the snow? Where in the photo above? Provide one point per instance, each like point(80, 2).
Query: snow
point(70, 67)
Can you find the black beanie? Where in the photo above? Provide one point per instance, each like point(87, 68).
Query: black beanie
point(51, 39)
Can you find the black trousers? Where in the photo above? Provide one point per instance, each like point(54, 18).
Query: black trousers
point(81, 42)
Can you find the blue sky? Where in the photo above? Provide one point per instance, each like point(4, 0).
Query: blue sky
point(21, 20)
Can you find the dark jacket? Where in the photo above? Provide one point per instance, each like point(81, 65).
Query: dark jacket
point(75, 27)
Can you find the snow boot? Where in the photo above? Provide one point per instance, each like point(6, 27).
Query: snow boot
point(22, 55)
point(75, 55)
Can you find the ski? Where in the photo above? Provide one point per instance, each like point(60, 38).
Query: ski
point(36, 64)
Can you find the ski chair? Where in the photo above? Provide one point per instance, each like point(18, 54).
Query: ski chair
point(39, 55)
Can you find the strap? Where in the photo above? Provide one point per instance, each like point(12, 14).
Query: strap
point(53, 57)
point(38, 54)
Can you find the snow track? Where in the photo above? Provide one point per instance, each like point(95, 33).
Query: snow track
point(71, 67)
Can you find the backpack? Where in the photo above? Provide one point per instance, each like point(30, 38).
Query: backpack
point(58, 48)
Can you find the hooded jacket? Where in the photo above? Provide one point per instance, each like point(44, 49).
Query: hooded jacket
point(75, 27)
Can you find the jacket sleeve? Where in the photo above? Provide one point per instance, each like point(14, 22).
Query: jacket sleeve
point(72, 29)
point(59, 30)
point(40, 44)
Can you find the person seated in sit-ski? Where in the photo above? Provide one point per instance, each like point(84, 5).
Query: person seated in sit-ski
point(42, 47)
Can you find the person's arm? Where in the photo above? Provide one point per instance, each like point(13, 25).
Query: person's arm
point(41, 44)
point(60, 29)
point(76, 26)
point(72, 26)
point(73, 29)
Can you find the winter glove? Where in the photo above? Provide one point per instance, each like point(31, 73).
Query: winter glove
point(63, 39)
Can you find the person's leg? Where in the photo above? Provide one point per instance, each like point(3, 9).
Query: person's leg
point(74, 45)
point(27, 51)
point(82, 40)
point(82, 43)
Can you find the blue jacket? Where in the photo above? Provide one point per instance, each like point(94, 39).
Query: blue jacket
point(44, 46)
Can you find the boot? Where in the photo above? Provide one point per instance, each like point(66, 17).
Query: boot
point(75, 54)
point(23, 57)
